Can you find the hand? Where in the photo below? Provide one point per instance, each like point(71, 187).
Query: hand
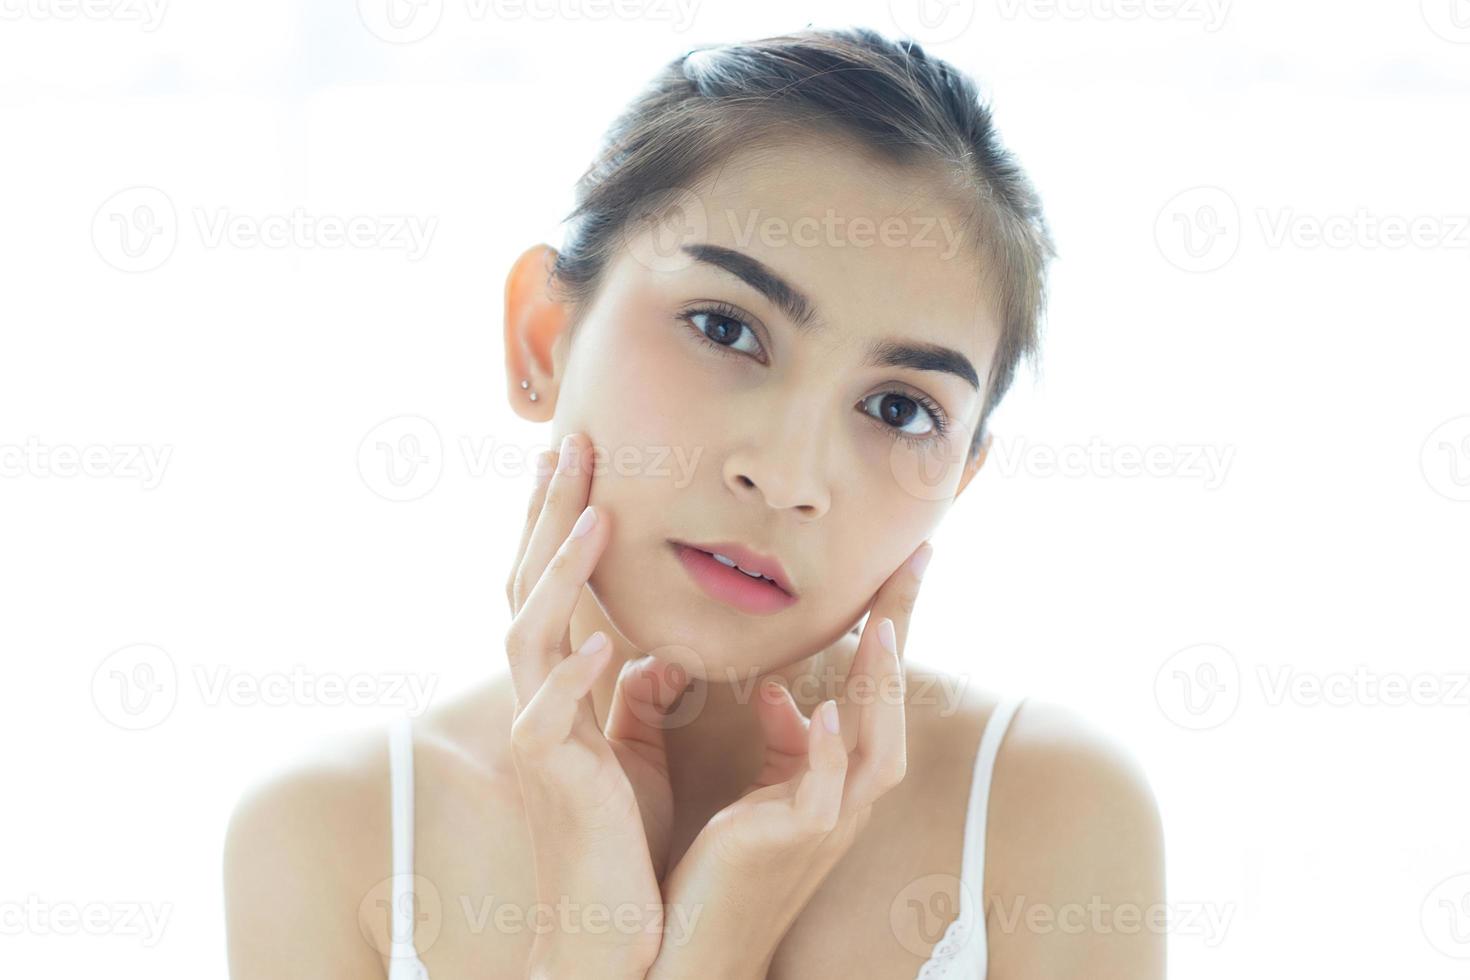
point(591, 798)
point(752, 869)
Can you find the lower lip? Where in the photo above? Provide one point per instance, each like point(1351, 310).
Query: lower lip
point(731, 585)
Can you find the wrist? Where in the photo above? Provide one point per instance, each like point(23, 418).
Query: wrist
point(557, 960)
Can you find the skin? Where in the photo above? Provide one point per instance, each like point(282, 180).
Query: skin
point(787, 461)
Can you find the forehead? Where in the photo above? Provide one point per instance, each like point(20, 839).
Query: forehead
point(878, 249)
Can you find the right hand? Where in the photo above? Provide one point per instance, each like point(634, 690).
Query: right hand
point(598, 805)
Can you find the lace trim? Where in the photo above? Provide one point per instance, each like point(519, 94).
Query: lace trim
point(955, 939)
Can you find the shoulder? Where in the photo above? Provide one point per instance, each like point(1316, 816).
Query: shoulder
point(1075, 851)
point(301, 859)
point(308, 850)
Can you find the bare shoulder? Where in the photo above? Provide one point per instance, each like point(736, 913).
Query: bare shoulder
point(300, 861)
point(1074, 852)
point(308, 852)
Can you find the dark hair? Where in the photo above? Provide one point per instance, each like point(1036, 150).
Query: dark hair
point(888, 97)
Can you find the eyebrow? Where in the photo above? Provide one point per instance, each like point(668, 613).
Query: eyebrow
point(799, 309)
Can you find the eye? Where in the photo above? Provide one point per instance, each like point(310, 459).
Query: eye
point(721, 327)
point(911, 417)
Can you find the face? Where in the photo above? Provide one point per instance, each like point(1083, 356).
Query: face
point(781, 365)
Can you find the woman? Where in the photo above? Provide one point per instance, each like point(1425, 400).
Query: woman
point(800, 277)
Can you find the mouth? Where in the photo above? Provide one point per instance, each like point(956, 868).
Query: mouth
point(744, 580)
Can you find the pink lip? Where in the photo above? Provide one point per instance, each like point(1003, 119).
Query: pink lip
point(730, 585)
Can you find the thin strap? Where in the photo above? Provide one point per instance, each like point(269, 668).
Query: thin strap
point(404, 963)
point(972, 863)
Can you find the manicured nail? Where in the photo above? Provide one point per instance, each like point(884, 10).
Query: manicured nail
point(920, 561)
point(564, 459)
point(594, 643)
point(829, 716)
point(585, 522)
point(887, 637)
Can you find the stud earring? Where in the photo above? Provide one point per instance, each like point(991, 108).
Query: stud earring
point(527, 384)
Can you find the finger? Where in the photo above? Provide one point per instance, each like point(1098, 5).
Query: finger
point(876, 682)
point(538, 639)
point(880, 756)
point(545, 463)
point(548, 717)
point(784, 726)
point(818, 801)
point(566, 497)
point(645, 689)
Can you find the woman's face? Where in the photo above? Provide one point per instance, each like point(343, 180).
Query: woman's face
point(781, 364)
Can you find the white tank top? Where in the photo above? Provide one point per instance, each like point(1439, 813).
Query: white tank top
point(960, 954)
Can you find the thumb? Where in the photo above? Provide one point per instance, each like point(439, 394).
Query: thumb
point(785, 729)
point(645, 689)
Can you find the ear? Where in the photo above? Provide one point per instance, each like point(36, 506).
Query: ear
point(973, 466)
point(534, 323)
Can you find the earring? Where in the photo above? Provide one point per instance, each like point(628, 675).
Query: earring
point(527, 384)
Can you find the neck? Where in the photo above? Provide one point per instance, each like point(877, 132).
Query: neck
point(714, 741)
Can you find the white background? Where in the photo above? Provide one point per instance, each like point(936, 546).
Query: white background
point(1239, 628)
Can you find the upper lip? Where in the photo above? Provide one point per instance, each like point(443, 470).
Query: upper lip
point(750, 560)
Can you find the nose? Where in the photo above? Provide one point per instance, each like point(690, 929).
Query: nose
point(787, 477)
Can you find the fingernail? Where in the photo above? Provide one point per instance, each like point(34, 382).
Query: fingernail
point(593, 643)
point(920, 561)
point(585, 522)
point(829, 716)
point(887, 637)
point(564, 459)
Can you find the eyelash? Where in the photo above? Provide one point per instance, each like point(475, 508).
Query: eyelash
point(726, 312)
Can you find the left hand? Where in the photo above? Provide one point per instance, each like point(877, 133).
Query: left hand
point(751, 870)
